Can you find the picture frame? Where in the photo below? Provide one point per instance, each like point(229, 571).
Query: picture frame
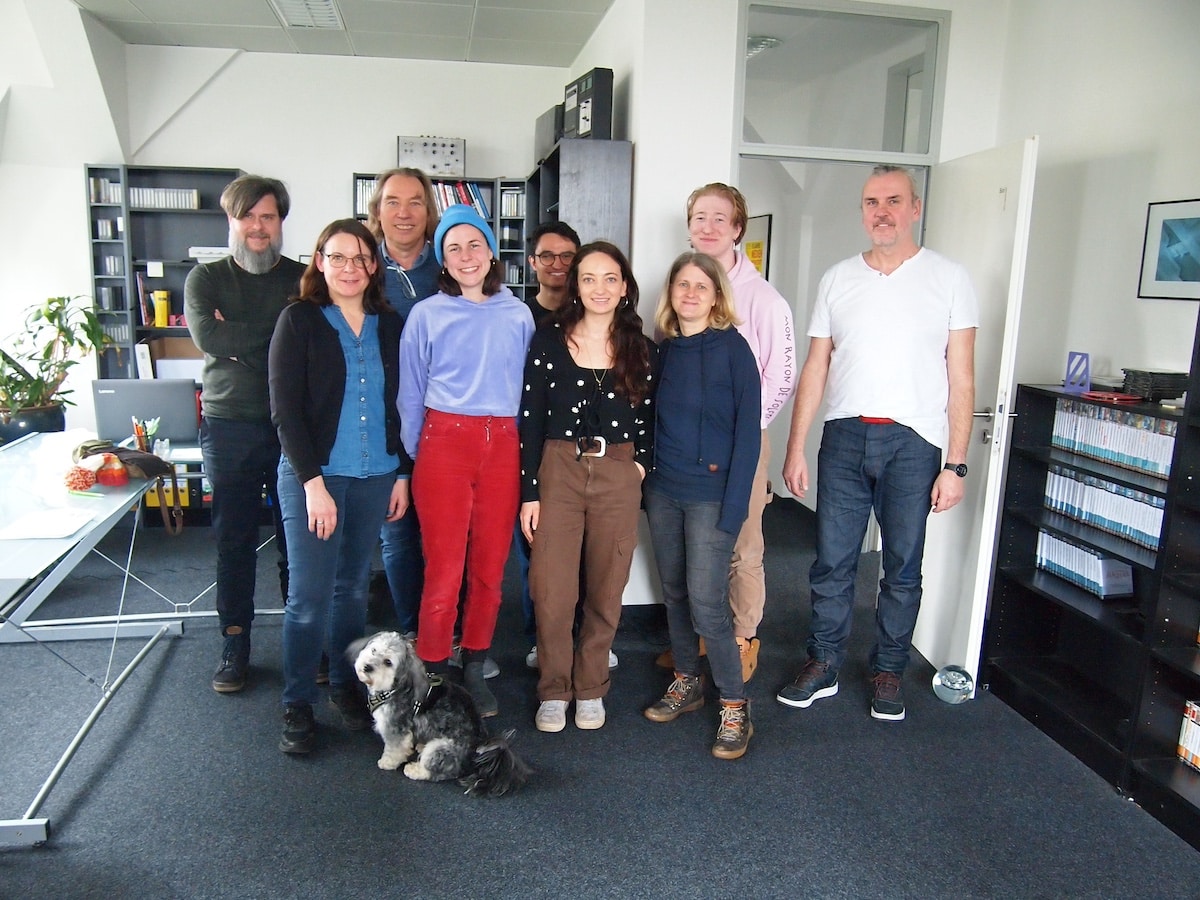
point(1171, 251)
point(756, 242)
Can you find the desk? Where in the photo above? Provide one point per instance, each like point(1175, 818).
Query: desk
point(31, 487)
point(32, 496)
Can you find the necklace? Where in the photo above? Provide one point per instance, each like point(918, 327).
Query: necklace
point(599, 374)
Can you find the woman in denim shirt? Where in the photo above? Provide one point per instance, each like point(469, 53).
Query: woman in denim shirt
point(334, 376)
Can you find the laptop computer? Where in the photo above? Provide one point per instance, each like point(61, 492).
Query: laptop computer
point(173, 401)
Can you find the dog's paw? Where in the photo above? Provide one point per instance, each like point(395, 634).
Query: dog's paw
point(417, 772)
point(390, 763)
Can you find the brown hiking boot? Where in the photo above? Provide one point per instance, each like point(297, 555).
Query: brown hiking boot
point(735, 730)
point(685, 694)
point(748, 648)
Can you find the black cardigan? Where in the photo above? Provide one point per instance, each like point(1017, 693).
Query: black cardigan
point(307, 374)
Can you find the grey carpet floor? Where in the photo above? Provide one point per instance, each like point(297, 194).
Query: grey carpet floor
point(181, 792)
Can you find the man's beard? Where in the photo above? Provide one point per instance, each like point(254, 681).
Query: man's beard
point(255, 262)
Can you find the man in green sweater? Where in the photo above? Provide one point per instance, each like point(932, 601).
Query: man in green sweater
point(231, 307)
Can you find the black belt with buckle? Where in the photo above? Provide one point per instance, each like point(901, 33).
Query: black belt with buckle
point(590, 446)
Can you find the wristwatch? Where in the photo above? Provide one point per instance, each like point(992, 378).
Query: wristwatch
point(960, 470)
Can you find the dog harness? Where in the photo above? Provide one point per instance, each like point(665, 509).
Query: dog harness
point(376, 700)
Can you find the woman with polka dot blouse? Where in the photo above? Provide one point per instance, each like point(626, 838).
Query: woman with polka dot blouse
point(587, 436)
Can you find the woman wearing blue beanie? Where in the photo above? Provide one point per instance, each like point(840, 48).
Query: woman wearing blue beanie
point(462, 355)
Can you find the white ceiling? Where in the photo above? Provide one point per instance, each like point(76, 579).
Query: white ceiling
point(523, 32)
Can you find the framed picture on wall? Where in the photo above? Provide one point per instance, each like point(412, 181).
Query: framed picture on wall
point(1171, 251)
point(756, 242)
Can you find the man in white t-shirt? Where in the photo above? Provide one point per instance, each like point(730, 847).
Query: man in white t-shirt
point(892, 346)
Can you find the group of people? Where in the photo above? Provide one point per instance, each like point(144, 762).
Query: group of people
point(395, 391)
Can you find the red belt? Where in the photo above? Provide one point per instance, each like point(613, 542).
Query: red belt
point(874, 420)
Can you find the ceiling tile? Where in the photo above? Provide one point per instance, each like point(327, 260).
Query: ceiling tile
point(597, 7)
point(407, 18)
point(323, 41)
point(261, 40)
point(113, 9)
point(400, 46)
point(523, 53)
point(534, 25)
point(210, 12)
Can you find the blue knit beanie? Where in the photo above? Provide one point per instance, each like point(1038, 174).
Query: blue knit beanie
point(461, 214)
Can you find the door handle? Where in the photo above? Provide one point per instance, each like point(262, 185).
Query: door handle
point(986, 414)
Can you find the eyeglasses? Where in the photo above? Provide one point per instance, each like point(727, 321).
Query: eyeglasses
point(546, 257)
point(340, 261)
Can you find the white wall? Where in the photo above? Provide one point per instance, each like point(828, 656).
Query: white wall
point(1115, 107)
point(326, 117)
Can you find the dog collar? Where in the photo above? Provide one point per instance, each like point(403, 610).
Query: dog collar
point(374, 701)
point(435, 681)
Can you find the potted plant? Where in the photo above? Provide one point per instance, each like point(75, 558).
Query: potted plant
point(35, 363)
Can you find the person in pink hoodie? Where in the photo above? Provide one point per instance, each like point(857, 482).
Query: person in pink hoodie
point(716, 217)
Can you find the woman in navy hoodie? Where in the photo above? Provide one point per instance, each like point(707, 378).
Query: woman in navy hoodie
point(707, 441)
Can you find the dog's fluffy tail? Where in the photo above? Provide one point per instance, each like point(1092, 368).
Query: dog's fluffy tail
point(495, 769)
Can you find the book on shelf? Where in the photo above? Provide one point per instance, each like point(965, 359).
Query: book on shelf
point(1121, 437)
point(448, 193)
point(1083, 567)
point(145, 364)
point(1131, 514)
point(145, 305)
point(164, 198)
point(1189, 735)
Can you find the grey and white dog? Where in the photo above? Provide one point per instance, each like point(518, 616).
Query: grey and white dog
point(429, 724)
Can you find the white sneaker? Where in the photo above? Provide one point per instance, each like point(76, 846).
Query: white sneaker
point(551, 715)
point(589, 714)
point(612, 660)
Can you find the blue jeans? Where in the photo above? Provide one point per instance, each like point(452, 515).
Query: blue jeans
point(404, 567)
point(521, 549)
point(890, 469)
point(693, 565)
point(328, 578)
point(240, 461)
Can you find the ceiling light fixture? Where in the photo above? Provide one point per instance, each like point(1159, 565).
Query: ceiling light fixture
point(757, 43)
point(309, 13)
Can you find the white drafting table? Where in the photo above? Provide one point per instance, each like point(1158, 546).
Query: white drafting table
point(33, 501)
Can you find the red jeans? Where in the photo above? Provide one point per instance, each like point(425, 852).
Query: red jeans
point(466, 487)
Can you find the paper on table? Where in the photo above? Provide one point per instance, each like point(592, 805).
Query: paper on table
point(46, 523)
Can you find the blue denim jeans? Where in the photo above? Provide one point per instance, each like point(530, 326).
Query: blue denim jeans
point(240, 461)
point(890, 469)
point(520, 547)
point(404, 567)
point(328, 578)
point(693, 565)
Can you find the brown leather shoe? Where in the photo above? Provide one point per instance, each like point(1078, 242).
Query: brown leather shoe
point(748, 648)
point(666, 659)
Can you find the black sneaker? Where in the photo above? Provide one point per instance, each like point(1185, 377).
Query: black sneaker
point(888, 702)
point(685, 694)
point(299, 729)
point(230, 677)
point(818, 679)
point(735, 730)
point(348, 699)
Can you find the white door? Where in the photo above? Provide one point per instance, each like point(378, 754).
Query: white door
point(977, 213)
